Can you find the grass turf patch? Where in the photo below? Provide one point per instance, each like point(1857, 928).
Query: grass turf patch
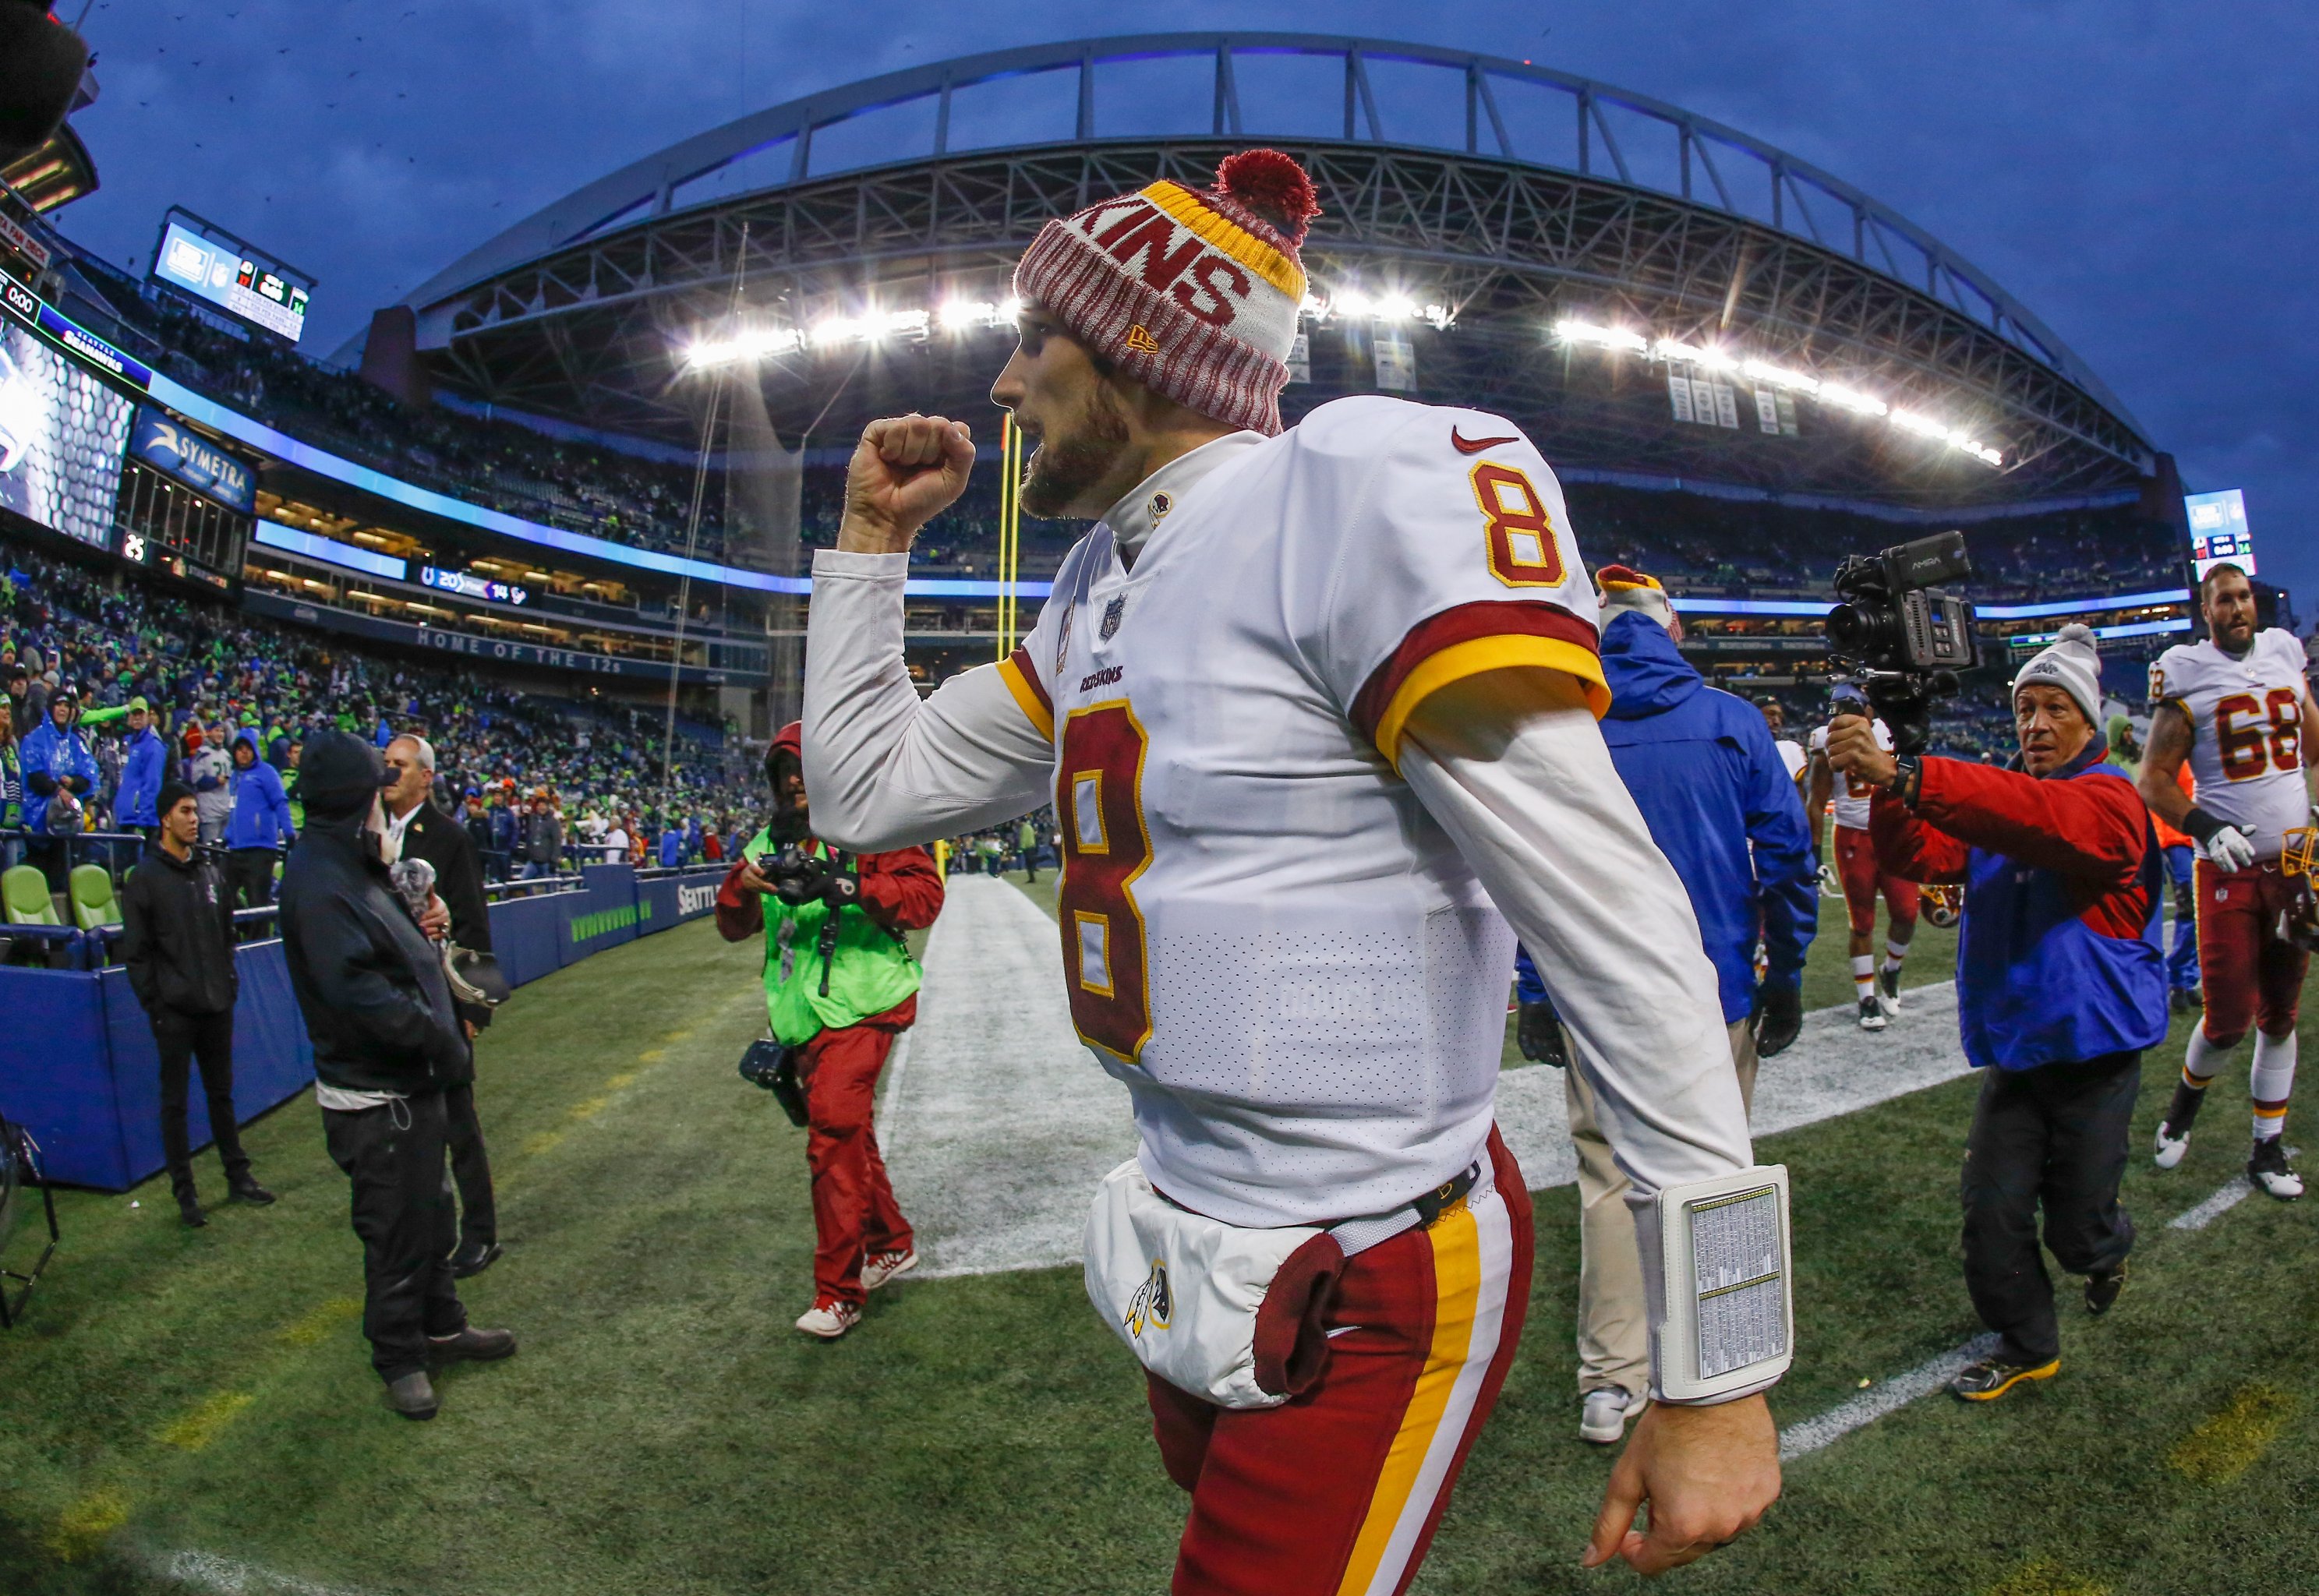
point(664, 1430)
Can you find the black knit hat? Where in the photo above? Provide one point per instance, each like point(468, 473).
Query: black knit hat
point(171, 795)
point(339, 774)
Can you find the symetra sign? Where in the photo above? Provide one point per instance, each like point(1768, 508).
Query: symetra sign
point(170, 446)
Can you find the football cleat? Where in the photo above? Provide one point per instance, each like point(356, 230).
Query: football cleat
point(829, 1320)
point(1603, 1419)
point(1872, 1014)
point(2267, 1170)
point(1992, 1378)
point(2170, 1146)
point(880, 1267)
point(1888, 991)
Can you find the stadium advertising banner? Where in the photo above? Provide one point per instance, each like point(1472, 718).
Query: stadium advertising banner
point(175, 449)
point(500, 650)
point(62, 435)
point(2218, 531)
point(210, 263)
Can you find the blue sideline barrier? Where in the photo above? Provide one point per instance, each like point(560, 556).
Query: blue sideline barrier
point(78, 1069)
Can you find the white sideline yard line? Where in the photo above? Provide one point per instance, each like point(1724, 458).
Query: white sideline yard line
point(231, 1576)
point(996, 1124)
point(1930, 1377)
point(1890, 1397)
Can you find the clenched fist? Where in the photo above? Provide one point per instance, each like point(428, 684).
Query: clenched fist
point(905, 471)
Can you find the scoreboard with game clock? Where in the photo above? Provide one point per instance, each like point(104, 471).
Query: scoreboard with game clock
point(2218, 531)
point(198, 257)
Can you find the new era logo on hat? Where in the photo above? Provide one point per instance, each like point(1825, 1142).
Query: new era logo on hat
point(1192, 293)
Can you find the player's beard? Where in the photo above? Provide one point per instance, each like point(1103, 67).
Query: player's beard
point(1066, 465)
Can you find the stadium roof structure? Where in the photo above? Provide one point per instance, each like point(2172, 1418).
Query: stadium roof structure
point(1594, 263)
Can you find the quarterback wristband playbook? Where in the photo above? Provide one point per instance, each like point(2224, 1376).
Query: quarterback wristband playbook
point(1730, 1312)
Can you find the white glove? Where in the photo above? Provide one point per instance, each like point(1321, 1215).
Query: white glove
point(2230, 848)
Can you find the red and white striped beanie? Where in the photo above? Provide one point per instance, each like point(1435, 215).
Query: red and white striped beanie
point(1192, 293)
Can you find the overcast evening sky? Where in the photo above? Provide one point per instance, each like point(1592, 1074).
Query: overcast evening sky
point(2139, 175)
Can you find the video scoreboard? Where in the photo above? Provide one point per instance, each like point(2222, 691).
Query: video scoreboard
point(2218, 531)
point(206, 261)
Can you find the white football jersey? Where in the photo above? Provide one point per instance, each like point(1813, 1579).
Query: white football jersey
point(1851, 807)
point(1265, 935)
point(2246, 731)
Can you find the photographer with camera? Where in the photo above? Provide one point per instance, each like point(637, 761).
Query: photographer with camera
point(177, 943)
point(840, 985)
point(2060, 984)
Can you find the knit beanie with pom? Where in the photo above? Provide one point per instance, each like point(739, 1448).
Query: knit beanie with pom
point(2071, 663)
point(1192, 292)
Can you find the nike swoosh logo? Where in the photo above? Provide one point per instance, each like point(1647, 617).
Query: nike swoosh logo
point(1474, 445)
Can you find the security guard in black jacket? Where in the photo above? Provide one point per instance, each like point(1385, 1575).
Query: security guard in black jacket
point(178, 942)
point(429, 834)
point(387, 1044)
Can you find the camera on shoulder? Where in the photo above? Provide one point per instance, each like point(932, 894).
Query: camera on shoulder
point(1904, 639)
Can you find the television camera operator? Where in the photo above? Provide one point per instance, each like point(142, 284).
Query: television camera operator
point(840, 985)
point(2060, 984)
point(387, 1046)
point(177, 943)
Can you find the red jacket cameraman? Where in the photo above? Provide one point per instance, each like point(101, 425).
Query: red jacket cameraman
point(2059, 987)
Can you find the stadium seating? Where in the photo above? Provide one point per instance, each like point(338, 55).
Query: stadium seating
point(94, 906)
point(24, 892)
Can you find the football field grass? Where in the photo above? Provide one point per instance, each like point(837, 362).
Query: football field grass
point(194, 1410)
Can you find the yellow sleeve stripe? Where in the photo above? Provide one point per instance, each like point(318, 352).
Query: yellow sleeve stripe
point(1028, 697)
point(1472, 658)
point(1228, 236)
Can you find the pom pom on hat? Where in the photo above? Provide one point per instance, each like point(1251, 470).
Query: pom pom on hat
point(1624, 588)
point(1274, 186)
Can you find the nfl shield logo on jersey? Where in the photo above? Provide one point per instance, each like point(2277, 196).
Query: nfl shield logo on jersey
point(1111, 614)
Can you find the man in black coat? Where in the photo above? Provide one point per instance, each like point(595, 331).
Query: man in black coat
point(428, 834)
point(387, 1045)
point(178, 942)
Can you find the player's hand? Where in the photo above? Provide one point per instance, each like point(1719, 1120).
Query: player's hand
point(2229, 849)
point(905, 471)
point(1852, 751)
point(1708, 1473)
point(1538, 1035)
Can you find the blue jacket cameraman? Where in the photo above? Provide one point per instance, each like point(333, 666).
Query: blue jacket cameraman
point(2060, 985)
point(387, 1045)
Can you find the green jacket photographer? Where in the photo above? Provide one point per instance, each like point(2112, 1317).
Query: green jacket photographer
point(840, 985)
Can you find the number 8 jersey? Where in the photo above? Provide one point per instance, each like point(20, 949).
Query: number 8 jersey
point(2246, 723)
point(1265, 935)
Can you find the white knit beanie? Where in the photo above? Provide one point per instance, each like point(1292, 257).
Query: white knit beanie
point(2073, 663)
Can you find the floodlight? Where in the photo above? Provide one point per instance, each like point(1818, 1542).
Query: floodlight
point(1570, 329)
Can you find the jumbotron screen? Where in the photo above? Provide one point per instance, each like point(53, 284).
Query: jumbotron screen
point(211, 264)
point(62, 435)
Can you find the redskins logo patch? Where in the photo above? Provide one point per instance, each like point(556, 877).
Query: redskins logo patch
point(1151, 1305)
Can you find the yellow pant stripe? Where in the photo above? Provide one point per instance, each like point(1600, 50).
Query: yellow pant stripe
point(1457, 1287)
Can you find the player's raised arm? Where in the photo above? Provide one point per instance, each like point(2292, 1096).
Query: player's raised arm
point(886, 767)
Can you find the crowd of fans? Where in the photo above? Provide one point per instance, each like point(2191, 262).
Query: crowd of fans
point(553, 782)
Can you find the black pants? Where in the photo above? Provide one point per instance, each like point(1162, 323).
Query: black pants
point(252, 871)
point(471, 1167)
point(53, 855)
point(183, 1039)
point(393, 1155)
point(2055, 1137)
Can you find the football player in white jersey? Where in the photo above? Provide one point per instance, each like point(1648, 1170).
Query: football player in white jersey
point(1876, 988)
point(1316, 710)
point(2236, 706)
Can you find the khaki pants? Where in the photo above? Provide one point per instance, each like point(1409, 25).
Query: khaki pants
point(1614, 1348)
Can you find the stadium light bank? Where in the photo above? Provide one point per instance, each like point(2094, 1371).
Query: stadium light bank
point(963, 315)
point(1579, 333)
